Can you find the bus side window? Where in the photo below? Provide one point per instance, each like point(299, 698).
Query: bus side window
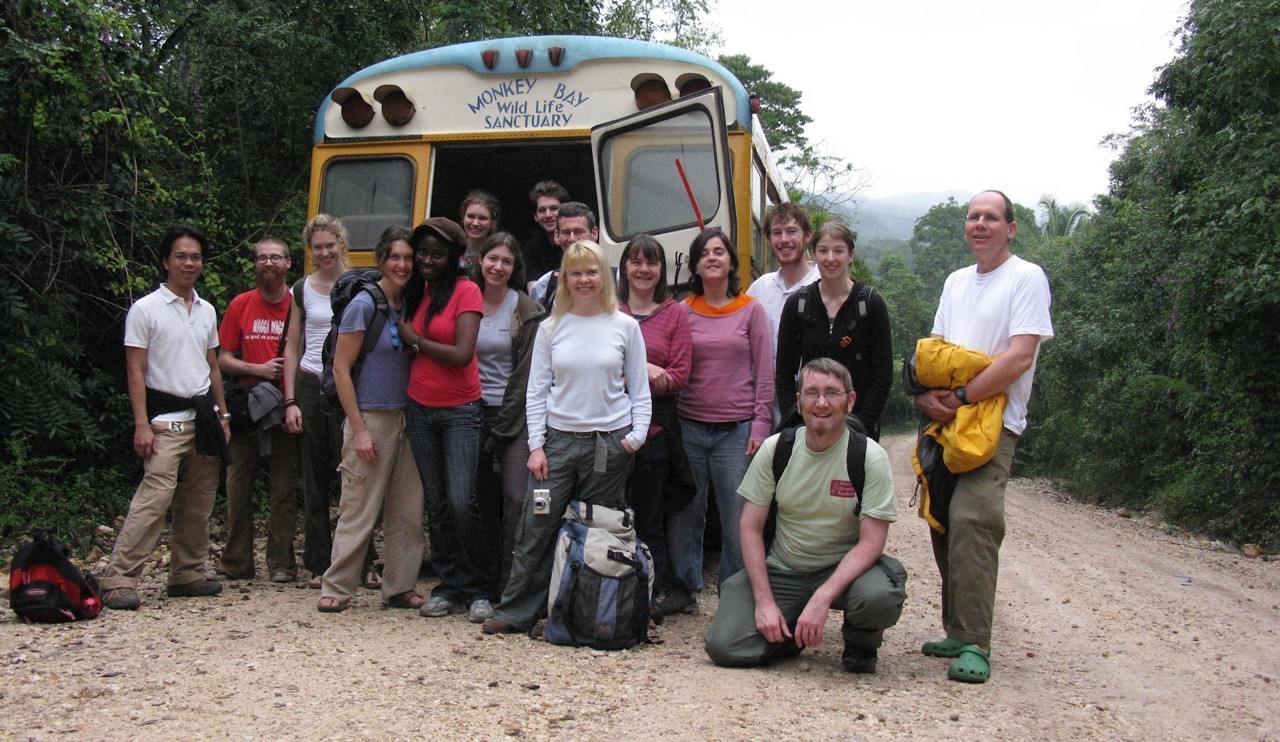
point(368, 195)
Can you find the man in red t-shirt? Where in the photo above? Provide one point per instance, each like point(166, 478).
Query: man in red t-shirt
point(251, 352)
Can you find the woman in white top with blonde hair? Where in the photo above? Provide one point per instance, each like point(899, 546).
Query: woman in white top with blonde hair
point(588, 410)
point(306, 412)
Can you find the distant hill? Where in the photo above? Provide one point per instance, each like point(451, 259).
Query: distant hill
point(894, 217)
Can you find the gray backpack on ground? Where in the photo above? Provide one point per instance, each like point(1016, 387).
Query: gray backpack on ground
point(601, 580)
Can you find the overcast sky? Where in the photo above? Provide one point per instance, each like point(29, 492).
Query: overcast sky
point(938, 95)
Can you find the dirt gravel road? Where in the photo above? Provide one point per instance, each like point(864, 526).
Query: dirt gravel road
point(1106, 628)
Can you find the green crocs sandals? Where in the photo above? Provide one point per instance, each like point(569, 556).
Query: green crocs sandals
point(971, 666)
point(946, 648)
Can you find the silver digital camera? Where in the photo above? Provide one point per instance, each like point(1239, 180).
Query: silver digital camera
point(542, 502)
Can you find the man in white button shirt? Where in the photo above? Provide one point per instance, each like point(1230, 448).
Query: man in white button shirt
point(788, 230)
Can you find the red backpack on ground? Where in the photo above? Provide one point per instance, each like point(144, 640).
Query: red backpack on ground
point(45, 587)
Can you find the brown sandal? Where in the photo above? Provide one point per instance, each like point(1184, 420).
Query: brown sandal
point(410, 600)
point(330, 604)
point(371, 580)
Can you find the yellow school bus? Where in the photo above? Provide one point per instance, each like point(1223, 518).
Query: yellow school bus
point(608, 119)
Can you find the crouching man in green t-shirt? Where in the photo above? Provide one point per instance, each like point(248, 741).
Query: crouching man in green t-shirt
point(828, 553)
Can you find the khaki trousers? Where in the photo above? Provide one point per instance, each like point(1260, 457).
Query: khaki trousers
point(175, 475)
point(389, 484)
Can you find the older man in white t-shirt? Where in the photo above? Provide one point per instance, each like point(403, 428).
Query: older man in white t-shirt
point(998, 306)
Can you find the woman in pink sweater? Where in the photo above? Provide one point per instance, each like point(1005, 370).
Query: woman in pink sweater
point(725, 411)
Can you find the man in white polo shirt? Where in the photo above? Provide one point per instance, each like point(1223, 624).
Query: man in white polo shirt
point(179, 427)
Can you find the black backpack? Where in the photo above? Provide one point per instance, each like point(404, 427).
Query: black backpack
point(862, 294)
point(855, 463)
point(45, 587)
point(345, 289)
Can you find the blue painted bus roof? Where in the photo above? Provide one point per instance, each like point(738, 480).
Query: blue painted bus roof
point(578, 49)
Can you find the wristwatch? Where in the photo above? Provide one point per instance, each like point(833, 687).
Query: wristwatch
point(962, 394)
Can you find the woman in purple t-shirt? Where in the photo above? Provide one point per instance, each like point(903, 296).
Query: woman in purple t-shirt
point(377, 469)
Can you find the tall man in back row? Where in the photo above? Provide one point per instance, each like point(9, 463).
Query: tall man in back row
point(788, 229)
point(1000, 307)
point(828, 551)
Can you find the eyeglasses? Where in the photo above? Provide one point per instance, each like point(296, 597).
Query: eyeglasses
point(272, 259)
point(576, 234)
point(829, 395)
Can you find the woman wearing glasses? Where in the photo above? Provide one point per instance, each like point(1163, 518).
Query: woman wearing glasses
point(378, 471)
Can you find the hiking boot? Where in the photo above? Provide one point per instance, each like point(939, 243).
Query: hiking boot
point(199, 589)
point(677, 601)
point(121, 599)
point(497, 626)
point(480, 611)
point(859, 660)
point(439, 606)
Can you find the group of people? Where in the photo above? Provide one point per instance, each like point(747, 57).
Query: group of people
point(467, 380)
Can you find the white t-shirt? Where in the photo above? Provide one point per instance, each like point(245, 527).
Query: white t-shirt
point(319, 312)
point(772, 293)
point(589, 374)
point(177, 342)
point(982, 311)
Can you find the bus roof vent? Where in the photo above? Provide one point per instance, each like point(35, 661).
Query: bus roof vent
point(397, 109)
point(356, 111)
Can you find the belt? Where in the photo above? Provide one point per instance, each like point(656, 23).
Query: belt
point(588, 434)
point(728, 425)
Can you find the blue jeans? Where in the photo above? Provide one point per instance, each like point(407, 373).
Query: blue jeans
point(718, 458)
point(571, 475)
point(446, 442)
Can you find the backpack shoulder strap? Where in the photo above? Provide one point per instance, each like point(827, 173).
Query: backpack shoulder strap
point(856, 463)
point(297, 300)
point(381, 310)
point(782, 452)
point(863, 298)
point(549, 298)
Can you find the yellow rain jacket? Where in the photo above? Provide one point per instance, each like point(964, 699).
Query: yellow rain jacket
point(969, 439)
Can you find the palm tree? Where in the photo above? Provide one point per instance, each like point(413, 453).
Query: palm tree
point(1061, 220)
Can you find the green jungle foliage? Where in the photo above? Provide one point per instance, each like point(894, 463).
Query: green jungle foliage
point(121, 118)
point(1167, 307)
